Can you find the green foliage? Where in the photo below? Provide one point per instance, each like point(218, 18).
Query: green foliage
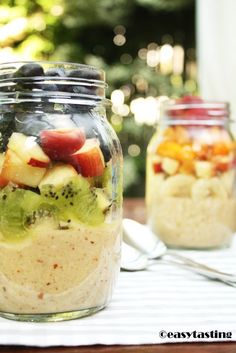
point(93, 13)
point(165, 4)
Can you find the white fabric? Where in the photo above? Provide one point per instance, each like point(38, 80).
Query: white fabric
point(164, 297)
point(216, 49)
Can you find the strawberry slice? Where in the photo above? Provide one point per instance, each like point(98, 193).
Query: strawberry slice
point(223, 167)
point(89, 160)
point(157, 168)
point(59, 144)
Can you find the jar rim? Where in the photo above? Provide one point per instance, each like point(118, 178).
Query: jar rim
point(206, 104)
point(196, 110)
point(53, 63)
point(47, 78)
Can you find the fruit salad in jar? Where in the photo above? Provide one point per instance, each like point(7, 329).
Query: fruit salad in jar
point(190, 188)
point(60, 194)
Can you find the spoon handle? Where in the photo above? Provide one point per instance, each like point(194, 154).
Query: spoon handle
point(199, 267)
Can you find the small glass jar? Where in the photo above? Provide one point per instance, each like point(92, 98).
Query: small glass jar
point(60, 192)
point(190, 193)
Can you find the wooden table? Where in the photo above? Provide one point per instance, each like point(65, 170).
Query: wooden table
point(133, 208)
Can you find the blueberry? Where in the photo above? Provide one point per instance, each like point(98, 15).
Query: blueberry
point(31, 86)
point(29, 70)
point(32, 124)
point(27, 86)
point(4, 76)
point(7, 127)
point(57, 72)
point(85, 74)
point(32, 129)
point(80, 89)
point(76, 109)
point(83, 118)
point(49, 87)
point(105, 151)
point(6, 89)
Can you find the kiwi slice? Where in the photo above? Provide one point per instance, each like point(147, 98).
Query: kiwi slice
point(20, 209)
point(104, 181)
point(12, 222)
point(111, 183)
point(12, 214)
point(75, 201)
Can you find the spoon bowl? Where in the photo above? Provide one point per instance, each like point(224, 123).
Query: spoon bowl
point(139, 240)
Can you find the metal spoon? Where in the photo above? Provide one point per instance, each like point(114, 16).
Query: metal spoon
point(132, 259)
point(143, 241)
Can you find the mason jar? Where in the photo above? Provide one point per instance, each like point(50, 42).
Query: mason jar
point(190, 188)
point(60, 192)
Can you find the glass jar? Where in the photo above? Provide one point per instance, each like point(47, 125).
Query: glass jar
point(190, 191)
point(60, 192)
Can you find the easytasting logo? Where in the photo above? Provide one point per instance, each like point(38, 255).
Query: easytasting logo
point(215, 334)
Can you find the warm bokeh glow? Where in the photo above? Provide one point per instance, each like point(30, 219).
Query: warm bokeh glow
point(166, 59)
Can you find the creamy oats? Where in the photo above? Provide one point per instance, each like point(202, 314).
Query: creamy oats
point(60, 270)
point(183, 222)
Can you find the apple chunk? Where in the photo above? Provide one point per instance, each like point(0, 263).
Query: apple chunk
point(3, 181)
point(58, 175)
point(16, 170)
point(59, 144)
point(28, 150)
point(89, 160)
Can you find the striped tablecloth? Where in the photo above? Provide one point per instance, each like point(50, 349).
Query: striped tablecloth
point(162, 299)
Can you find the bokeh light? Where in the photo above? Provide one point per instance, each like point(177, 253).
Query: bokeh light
point(57, 10)
point(152, 57)
point(166, 59)
point(134, 150)
point(120, 29)
point(13, 29)
point(117, 97)
point(145, 110)
point(126, 59)
point(142, 53)
point(178, 60)
point(119, 40)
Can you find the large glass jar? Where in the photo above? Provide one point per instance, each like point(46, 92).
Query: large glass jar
point(190, 191)
point(60, 192)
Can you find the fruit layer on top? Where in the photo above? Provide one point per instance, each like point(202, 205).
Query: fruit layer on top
point(195, 149)
point(61, 175)
point(26, 161)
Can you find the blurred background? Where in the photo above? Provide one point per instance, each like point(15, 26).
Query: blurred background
point(146, 47)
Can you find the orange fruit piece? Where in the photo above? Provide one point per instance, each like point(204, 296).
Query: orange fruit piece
point(187, 153)
point(169, 149)
point(187, 167)
point(181, 135)
point(203, 152)
point(169, 134)
point(220, 148)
